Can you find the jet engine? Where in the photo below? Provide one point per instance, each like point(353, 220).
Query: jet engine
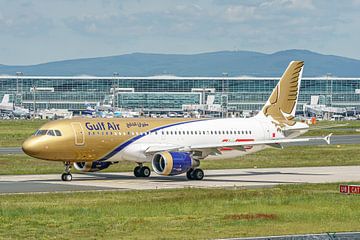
point(91, 166)
point(171, 163)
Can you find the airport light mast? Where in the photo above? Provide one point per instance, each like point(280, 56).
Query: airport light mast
point(328, 77)
point(114, 86)
point(18, 97)
point(224, 96)
point(34, 98)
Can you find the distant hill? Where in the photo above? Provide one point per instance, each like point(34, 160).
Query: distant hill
point(235, 63)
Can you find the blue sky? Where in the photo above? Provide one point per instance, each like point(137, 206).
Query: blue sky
point(37, 31)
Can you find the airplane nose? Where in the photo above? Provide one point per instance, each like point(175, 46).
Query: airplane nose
point(30, 148)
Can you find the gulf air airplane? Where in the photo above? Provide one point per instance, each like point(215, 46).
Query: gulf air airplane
point(173, 146)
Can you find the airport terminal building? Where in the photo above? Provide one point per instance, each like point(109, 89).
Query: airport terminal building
point(170, 93)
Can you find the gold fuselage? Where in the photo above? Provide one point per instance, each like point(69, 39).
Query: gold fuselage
point(89, 139)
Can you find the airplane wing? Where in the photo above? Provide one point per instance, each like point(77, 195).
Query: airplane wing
point(277, 143)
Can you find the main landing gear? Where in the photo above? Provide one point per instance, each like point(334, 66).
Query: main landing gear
point(195, 174)
point(66, 176)
point(142, 171)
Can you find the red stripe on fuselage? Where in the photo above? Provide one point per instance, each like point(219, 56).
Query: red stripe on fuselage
point(237, 140)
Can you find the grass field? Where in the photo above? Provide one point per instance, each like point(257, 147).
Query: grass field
point(179, 214)
point(14, 132)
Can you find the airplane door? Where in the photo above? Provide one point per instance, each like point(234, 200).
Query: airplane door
point(79, 133)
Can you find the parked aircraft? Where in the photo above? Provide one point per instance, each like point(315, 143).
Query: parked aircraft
point(172, 145)
point(7, 107)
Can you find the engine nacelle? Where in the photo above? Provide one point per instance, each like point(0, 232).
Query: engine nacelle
point(91, 166)
point(171, 163)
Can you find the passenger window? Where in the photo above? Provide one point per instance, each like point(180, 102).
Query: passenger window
point(203, 132)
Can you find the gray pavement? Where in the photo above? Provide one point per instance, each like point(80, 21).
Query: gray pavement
point(229, 178)
point(11, 150)
point(335, 140)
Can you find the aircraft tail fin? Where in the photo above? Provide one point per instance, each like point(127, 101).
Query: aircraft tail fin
point(6, 99)
point(281, 105)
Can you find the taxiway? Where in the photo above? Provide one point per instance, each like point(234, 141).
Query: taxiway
point(229, 178)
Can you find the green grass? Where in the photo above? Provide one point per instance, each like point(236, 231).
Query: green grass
point(306, 156)
point(338, 128)
point(179, 214)
point(14, 132)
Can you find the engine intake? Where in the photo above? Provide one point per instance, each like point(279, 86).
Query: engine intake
point(171, 163)
point(91, 166)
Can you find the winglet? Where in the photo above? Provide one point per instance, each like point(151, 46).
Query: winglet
point(327, 138)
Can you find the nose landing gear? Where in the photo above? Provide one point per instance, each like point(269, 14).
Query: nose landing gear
point(66, 176)
point(142, 171)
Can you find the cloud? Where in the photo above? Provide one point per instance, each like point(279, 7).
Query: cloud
point(290, 4)
point(240, 13)
point(79, 28)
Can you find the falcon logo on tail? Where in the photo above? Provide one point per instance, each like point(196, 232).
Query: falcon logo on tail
point(281, 105)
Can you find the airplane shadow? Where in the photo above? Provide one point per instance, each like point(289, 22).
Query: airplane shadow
point(182, 178)
point(250, 173)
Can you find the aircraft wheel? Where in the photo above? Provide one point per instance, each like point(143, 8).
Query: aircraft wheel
point(198, 174)
point(189, 175)
point(145, 172)
point(66, 177)
point(137, 171)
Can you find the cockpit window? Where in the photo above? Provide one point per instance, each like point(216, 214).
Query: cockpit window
point(58, 133)
point(50, 133)
point(47, 132)
point(40, 132)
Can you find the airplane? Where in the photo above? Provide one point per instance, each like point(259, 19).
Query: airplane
point(173, 146)
point(7, 107)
